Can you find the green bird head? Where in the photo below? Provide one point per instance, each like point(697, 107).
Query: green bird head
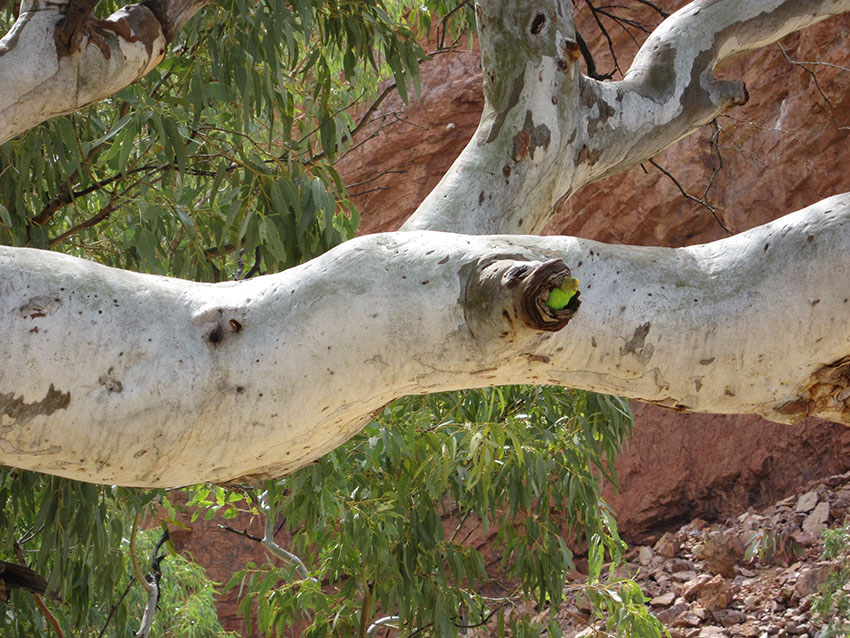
point(559, 297)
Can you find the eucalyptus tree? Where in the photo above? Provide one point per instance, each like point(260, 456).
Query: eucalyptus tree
point(217, 165)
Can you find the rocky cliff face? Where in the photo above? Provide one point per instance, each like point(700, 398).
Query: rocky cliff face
point(781, 151)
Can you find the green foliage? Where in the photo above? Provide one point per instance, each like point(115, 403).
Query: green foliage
point(76, 536)
point(219, 162)
point(833, 604)
point(390, 523)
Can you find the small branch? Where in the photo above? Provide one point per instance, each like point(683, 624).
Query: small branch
point(153, 591)
point(589, 62)
point(483, 622)
point(243, 532)
point(444, 23)
point(269, 542)
point(369, 190)
point(104, 213)
point(595, 13)
point(134, 560)
point(393, 622)
point(374, 177)
point(364, 120)
point(364, 612)
point(655, 7)
point(115, 607)
point(687, 195)
point(150, 609)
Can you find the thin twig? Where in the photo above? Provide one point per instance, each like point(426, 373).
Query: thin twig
point(605, 33)
point(441, 42)
point(687, 195)
point(243, 532)
point(115, 607)
point(652, 5)
point(389, 171)
point(803, 65)
point(369, 190)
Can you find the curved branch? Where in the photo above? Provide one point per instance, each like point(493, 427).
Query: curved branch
point(42, 77)
point(547, 130)
point(671, 90)
point(269, 542)
point(131, 379)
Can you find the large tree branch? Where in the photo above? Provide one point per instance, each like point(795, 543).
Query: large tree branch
point(42, 76)
point(548, 130)
point(141, 380)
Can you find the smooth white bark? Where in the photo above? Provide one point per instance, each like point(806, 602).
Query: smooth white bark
point(547, 130)
point(37, 82)
point(134, 379)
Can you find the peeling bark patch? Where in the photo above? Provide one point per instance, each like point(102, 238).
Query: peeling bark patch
point(510, 102)
point(522, 141)
point(571, 49)
point(706, 362)
point(827, 395)
point(586, 156)
point(529, 138)
point(539, 358)
point(591, 101)
point(637, 344)
point(40, 307)
point(235, 325)
point(22, 412)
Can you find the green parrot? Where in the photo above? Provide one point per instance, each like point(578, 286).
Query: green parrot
point(559, 297)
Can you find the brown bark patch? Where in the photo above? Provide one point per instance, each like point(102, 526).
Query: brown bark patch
point(529, 138)
point(22, 412)
point(827, 395)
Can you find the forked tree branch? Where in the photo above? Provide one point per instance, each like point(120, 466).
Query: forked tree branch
point(547, 130)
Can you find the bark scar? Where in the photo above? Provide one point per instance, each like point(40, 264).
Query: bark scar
point(637, 344)
point(827, 395)
point(22, 412)
point(529, 138)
